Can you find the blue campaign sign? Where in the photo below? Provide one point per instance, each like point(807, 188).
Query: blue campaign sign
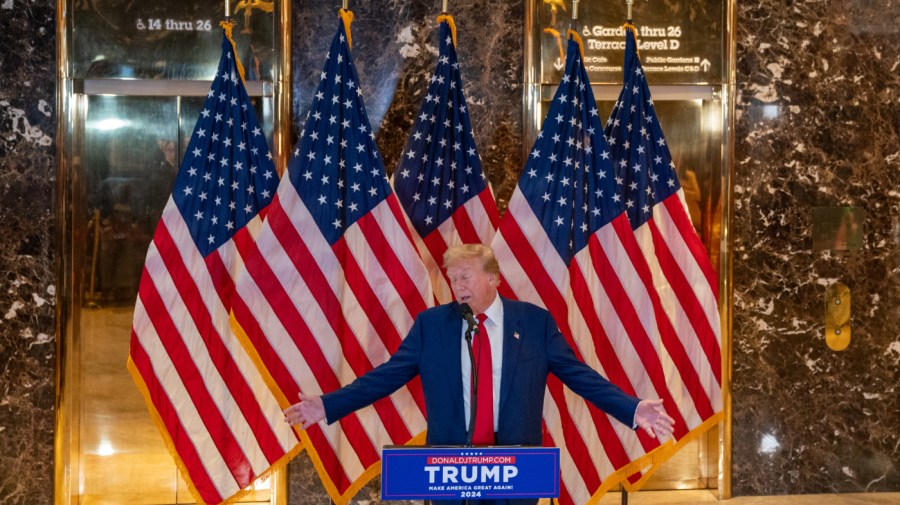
point(442, 473)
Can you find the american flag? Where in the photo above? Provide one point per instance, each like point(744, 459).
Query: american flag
point(335, 281)
point(439, 180)
point(682, 272)
point(565, 243)
point(212, 406)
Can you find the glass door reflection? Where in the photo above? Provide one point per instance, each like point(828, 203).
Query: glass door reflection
point(127, 156)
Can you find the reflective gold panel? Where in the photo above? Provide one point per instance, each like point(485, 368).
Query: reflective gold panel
point(837, 316)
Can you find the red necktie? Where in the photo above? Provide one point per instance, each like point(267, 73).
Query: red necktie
point(484, 415)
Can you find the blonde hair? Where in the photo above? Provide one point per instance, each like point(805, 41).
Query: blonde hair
point(469, 251)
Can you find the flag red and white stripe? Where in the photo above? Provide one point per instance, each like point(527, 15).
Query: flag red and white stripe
point(680, 268)
point(321, 315)
point(218, 418)
point(597, 302)
point(333, 282)
point(688, 291)
point(566, 243)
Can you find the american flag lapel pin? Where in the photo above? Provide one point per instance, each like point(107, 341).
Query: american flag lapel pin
point(516, 335)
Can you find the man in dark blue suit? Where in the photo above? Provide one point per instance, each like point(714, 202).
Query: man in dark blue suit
point(529, 345)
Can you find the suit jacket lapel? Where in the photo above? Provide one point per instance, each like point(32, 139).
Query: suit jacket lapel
point(511, 325)
point(453, 344)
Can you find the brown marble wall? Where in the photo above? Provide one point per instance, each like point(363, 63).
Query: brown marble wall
point(27, 285)
point(818, 115)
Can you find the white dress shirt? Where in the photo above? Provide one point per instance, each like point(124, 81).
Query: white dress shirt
point(494, 326)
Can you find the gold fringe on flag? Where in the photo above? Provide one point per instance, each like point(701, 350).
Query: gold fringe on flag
point(572, 34)
point(305, 442)
point(347, 18)
point(449, 19)
point(179, 463)
point(629, 26)
point(228, 26)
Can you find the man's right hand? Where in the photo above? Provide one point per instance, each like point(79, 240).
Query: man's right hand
point(307, 412)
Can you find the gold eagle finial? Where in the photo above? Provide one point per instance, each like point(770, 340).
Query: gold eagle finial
point(555, 5)
point(248, 6)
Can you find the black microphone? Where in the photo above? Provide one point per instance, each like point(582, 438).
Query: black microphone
point(467, 314)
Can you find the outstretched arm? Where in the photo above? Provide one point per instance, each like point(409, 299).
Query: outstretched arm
point(648, 415)
point(585, 381)
point(365, 390)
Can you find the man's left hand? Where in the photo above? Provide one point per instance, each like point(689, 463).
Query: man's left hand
point(652, 418)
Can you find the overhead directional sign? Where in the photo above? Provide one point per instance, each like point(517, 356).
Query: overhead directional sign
point(680, 42)
point(168, 39)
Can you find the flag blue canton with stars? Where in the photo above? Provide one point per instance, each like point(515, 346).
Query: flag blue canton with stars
point(335, 167)
point(638, 148)
point(440, 169)
point(568, 179)
point(227, 174)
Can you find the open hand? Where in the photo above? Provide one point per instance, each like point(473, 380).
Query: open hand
point(652, 418)
point(307, 412)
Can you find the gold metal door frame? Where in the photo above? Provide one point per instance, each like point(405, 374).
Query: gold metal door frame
point(726, 284)
point(69, 293)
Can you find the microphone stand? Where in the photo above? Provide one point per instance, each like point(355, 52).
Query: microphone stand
point(473, 406)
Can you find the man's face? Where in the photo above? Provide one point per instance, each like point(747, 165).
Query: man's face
point(471, 284)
